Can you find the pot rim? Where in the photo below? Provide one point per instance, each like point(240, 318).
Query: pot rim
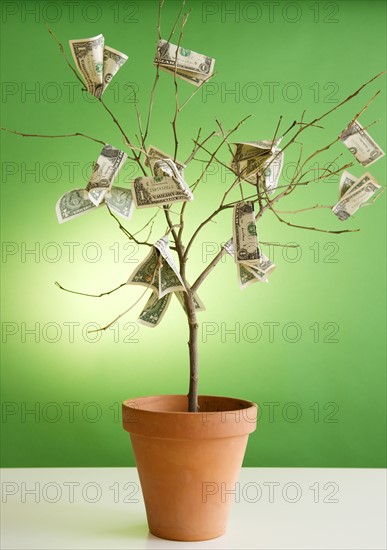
point(248, 404)
point(214, 420)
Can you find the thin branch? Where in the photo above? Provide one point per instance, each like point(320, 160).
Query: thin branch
point(91, 295)
point(303, 209)
point(197, 89)
point(62, 51)
point(157, 75)
point(279, 244)
point(157, 266)
point(335, 232)
point(126, 232)
point(150, 221)
point(203, 224)
point(120, 315)
point(177, 110)
point(75, 134)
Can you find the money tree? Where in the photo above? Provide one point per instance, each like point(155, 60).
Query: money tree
point(255, 166)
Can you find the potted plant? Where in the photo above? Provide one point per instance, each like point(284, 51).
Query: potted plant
point(188, 446)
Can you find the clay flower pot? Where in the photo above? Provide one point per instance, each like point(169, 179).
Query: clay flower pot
point(188, 463)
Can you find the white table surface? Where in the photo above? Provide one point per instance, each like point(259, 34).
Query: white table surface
point(273, 508)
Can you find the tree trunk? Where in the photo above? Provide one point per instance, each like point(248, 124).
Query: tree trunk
point(193, 353)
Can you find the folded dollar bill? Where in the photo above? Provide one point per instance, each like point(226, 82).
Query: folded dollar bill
point(96, 62)
point(154, 310)
point(361, 144)
point(158, 271)
point(151, 191)
point(358, 194)
point(190, 66)
point(245, 233)
point(260, 161)
point(251, 273)
point(75, 203)
point(346, 182)
point(155, 155)
point(105, 171)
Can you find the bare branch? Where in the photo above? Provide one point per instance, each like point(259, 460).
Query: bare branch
point(91, 295)
point(303, 209)
point(75, 134)
point(62, 51)
point(126, 232)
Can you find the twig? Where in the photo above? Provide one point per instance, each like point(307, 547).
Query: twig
point(91, 295)
point(120, 315)
point(303, 209)
point(62, 51)
point(126, 232)
point(157, 266)
point(75, 134)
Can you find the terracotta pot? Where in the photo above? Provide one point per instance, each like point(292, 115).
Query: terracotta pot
point(188, 463)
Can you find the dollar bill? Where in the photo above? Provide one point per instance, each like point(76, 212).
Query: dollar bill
point(156, 191)
point(251, 273)
point(112, 62)
point(154, 310)
point(168, 280)
point(271, 171)
point(245, 233)
point(190, 66)
point(154, 154)
point(73, 204)
point(96, 62)
point(361, 144)
point(147, 272)
point(167, 168)
point(105, 171)
point(357, 196)
point(162, 246)
point(158, 271)
point(199, 306)
point(88, 57)
point(120, 201)
point(345, 183)
point(258, 161)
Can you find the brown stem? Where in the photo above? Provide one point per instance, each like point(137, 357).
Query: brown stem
point(193, 405)
point(75, 134)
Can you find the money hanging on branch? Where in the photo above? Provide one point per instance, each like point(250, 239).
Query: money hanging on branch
point(256, 168)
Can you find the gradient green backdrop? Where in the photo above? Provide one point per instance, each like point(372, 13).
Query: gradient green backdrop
point(322, 398)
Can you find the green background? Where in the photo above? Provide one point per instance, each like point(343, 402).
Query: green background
point(322, 398)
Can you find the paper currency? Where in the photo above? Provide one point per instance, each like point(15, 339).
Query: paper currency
point(251, 273)
point(146, 274)
point(156, 191)
point(105, 171)
point(112, 62)
point(358, 195)
point(154, 155)
point(158, 271)
point(162, 246)
point(245, 233)
point(154, 310)
point(96, 63)
point(361, 144)
point(260, 161)
point(190, 66)
point(75, 203)
point(345, 183)
point(199, 306)
point(120, 201)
